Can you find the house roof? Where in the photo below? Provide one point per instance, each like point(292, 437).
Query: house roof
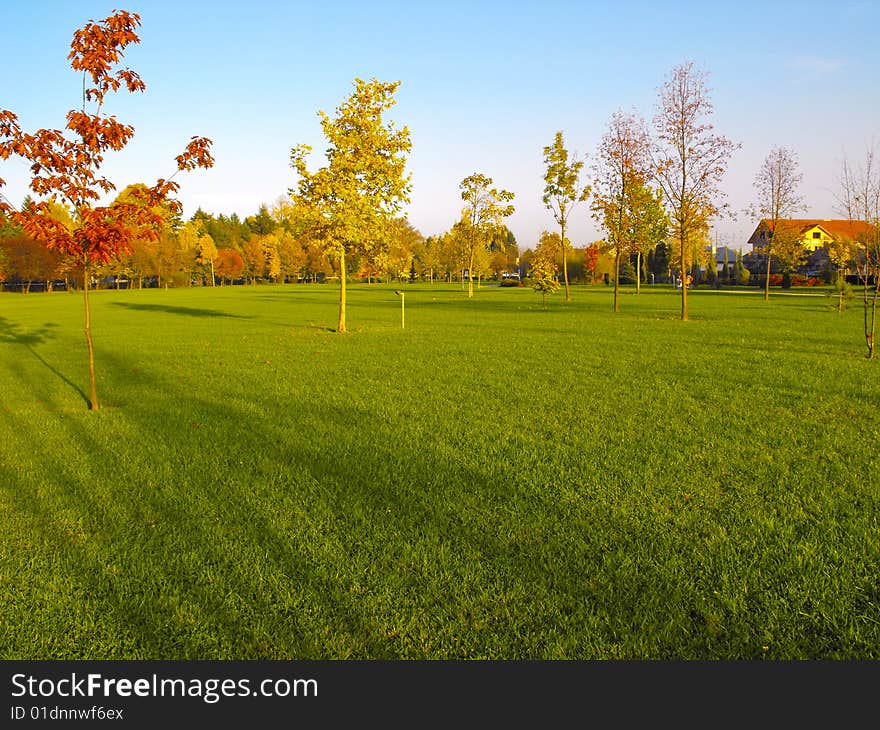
point(833, 227)
point(731, 255)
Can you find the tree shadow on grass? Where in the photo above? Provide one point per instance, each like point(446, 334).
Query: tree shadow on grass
point(272, 556)
point(13, 333)
point(185, 311)
point(243, 527)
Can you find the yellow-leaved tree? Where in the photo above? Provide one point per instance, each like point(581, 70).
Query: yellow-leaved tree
point(350, 203)
point(485, 209)
point(563, 190)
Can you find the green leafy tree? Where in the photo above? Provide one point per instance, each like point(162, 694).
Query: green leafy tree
point(649, 224)
point(350, 201)
point(262, 223)
point(840, 255)
point(483, 216)
point(741, 273)
point(563, 190)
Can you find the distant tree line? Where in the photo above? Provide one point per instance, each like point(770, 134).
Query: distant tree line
point(272, 245)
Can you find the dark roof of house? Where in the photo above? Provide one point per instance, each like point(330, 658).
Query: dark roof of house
point(731, 255)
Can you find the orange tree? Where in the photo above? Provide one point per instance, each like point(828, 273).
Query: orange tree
point(65, 164)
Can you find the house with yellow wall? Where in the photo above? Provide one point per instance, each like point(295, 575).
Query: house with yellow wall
point(814, 234)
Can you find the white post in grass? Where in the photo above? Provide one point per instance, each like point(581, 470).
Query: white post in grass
point(402, 308)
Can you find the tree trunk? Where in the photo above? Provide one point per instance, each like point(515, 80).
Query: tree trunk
point(93, 391)
point(341, 326)
point(870, 330)
point(616, 279)
point(565, 266)
point(684, 282)
point(471, 277)
point(639, 272)
point(870, 308)
point(767, 279)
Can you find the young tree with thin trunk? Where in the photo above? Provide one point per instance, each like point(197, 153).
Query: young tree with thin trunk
point(689, 160)
point(563, 190)
point(649, 225)
point(351, 202)
point(65, 165)
point(543, 271)
point(859, 200)
point(777, 184)
point(483, 215)
point(206, 253)
point(621, 200)
point(840, 254)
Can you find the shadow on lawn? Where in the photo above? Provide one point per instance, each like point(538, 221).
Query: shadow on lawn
point(12, 333)
point(321, 534)
point(185, 311)
point(241, 526)
point(295, 547)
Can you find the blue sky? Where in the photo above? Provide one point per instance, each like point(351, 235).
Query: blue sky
point(485, 85)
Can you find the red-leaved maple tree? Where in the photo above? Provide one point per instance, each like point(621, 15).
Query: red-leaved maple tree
point(65, 164)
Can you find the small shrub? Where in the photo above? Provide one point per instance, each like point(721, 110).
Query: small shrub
point(840, 296)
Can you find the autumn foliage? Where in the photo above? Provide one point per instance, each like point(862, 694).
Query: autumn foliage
point(65, 164)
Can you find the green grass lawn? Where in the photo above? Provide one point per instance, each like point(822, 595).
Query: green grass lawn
point(493, 481)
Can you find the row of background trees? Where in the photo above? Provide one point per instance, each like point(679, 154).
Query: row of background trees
point(655, 196)
point(648, 192)
point(273, 245)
